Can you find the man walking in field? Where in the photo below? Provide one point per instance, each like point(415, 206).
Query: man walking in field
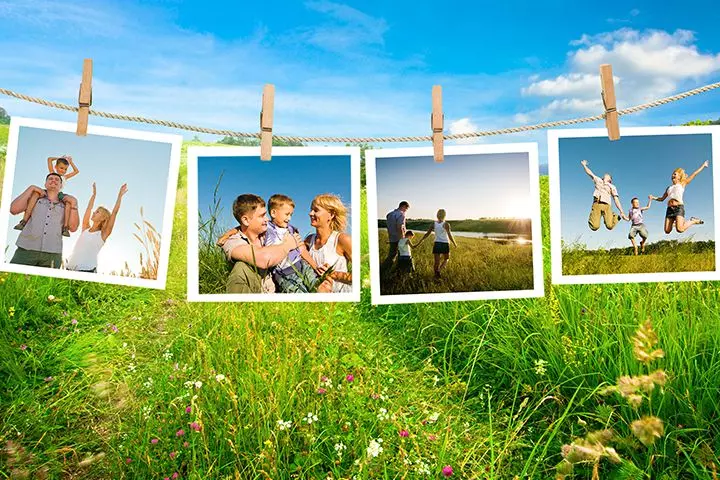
point(396, 231)
point(604, 192)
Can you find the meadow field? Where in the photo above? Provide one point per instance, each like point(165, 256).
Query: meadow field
point(474, 266)
point(100, 382)
point(663, 256)
point(521, 226)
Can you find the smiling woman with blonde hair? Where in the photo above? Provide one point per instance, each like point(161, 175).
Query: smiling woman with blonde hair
point(675, 213)
point(330, 246)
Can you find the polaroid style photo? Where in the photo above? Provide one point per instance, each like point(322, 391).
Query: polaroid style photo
point(97, 208)
point(284, 230)
point(464, 229)
point(639, 209)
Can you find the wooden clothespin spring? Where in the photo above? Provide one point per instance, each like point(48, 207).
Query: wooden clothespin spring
point(84, 98)
point(266, 122)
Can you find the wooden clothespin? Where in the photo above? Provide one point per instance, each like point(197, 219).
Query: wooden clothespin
point(608, 97)
point(85, 98)
point(266, 122)
point(437, 123)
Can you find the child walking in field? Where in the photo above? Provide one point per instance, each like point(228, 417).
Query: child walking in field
point(296, 273)
point(443, 237)
point(635, 215)
point(405, 260)
point(60, 166)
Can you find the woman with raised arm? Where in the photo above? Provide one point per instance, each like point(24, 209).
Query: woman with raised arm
point(675, 213)
point(96, 228)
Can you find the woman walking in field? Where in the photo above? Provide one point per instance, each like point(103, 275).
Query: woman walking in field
point(330, 246)
point(96, 228)
point(675, 213)
point(443, 237)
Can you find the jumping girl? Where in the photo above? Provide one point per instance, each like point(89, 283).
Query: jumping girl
point(675, 213)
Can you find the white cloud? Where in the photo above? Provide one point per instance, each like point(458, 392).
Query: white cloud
point(646, 65)
point(463, 125)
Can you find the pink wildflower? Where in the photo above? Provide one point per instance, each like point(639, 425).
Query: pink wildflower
point(350, 377)
point(186, 444)
point(74, 321)
point(404, 433)
point(180, 433)
point(195, 426)
point(128, 460)
point(321, 391)
point(447, 471)
point(175, 475)
point(154, 441)
point(324, 379)
point(188, 409)
point(23, 347)
point(432, 437)
point(172, 454)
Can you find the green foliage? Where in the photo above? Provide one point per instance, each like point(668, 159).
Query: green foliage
point(520, 226)
point(4, 117)
point(662, 256)
point(254, 142)
point(702, 122)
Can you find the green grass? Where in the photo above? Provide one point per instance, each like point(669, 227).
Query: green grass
point(469, 365)
point(483, 225)
point(472, 268)
point(659, 257)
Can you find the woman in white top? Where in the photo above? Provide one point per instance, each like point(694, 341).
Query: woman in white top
point(94, 235)
point(675, 213)
point(443, 237)
point(330, 246)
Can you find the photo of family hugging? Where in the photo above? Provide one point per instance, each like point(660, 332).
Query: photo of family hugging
point(623, 233)
point(264, 231)
point(56, 223)
point(464, 229)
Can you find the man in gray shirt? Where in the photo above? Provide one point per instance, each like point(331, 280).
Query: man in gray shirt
point(40, 242)
point(396, 230)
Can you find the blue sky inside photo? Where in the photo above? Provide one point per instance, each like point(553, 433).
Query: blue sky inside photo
point(473, 186)
point(299, 177)
point(639, 166)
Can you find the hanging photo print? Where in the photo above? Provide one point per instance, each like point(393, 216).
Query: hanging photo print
point(96, 207)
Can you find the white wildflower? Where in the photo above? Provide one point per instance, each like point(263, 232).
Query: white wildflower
point(383, 415)
point(540, 367)
point(219, 377)
point(340, 448)
point(375, 448)
point(131, 367)
point(168, 355)
point(310, 418)
point(283, 425)
point(434, 417)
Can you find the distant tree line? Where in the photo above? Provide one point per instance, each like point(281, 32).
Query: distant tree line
point(4, 117)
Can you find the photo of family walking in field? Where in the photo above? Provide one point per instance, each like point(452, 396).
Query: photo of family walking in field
point(466, 228)
point(77, 207)
point(273, 231)
point(644, 204)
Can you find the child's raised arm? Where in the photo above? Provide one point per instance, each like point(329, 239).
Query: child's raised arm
point(305, 255)
point(51, 167)
point(75, 170)
point(650, 199)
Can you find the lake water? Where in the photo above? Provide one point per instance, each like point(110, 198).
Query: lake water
point(487, 235)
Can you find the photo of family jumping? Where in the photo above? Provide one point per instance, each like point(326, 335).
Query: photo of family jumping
point(278, 227)
point(641, 205)
point(467, 226)
point(78, 207)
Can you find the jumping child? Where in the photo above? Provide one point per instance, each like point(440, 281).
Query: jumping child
point(635, 215)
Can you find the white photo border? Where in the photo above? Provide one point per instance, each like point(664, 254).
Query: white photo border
point(168, 214)
point(193, 279)
point(371, 157)
point(558, 278)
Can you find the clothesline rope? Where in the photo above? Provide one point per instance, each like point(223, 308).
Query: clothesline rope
point(426, 138)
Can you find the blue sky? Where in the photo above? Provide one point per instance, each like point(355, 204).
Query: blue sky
point(640, 166)
point(299, 177)
point(109, 162)
point(361, 68)
point(466, 186)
